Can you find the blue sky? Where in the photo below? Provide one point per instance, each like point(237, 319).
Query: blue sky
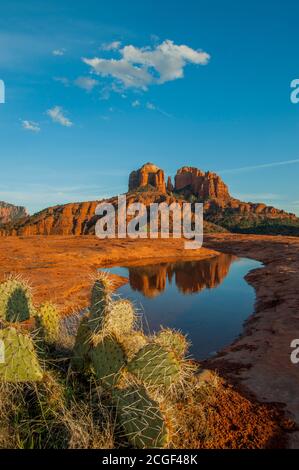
point(94, 89)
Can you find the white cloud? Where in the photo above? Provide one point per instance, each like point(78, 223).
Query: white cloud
point(259, 167)
point(258, 197)
point(65, 81)
point(58, 52)
point(110, 46)
point(56, 114)
point(150, 106)
point(153, 107)
point(135, 104)
point(30, 126)
point(86, 83)
point(141, 67)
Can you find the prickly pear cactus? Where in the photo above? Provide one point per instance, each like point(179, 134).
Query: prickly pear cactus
point(133, 342)
point(155, 366)
point(18, 359)
point(107, 360)
point(119, 317)
point(47, 321)
point(100, 299)
point(172, 341)
point(140, 418)
point(81, 359)
point(108, 316)
point(15, 301)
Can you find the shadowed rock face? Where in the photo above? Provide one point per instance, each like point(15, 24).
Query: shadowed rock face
point(10, 213)
point(190, 277)
point(204, 185)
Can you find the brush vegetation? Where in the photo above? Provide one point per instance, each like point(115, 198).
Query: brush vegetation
point(102, 384)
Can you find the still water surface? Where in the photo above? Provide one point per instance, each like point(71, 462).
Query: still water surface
point(207, 299)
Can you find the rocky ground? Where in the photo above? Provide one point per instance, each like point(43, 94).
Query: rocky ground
point(257, 365)
point(259, 361)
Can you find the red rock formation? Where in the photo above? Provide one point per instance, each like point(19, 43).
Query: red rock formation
point(10, 213)
point(169, 185)
point(80, 218)
point(204, 185)
point(148, 175)
point(219, 207)
point(69, 219)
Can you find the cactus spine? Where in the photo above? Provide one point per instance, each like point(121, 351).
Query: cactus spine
point(172, 341)
point(81, 359)
point(100, 299)
point(15, 301)
point(47, 321)
point(155, 366)
point(141, 418)
point(18, 359)
point(107, 360)
point(139, 374)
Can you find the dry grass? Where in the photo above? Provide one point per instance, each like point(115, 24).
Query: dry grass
point(46, 415)
point(69, 410)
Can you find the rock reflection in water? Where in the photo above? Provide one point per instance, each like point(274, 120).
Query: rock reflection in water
point(207, 299)
point(189, 276)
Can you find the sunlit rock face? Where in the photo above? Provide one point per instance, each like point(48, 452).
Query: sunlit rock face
point(148, 175)
point(204, 185)
point(147, 185)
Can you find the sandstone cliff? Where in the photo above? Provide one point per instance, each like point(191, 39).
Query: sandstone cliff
point(80, 219)
point(10, 213)
point(204, 185)
point(68, 219)
point(224, 210)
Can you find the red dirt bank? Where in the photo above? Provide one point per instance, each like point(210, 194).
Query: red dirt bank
point(59, 268)
point(260, 359)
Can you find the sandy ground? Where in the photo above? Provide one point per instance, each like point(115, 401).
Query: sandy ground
point(260, 359)
point(60, 269)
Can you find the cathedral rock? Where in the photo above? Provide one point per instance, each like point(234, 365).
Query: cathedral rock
point(149, 175)
point(147, 185)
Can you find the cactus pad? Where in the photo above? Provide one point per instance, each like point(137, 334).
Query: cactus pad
point(80, 359)
point(107, 360)
point(47, 320)
point(155, 366)
point(133, 342)
point(15, 301)
point(119, 317)
point(18, 359)
point(172, 341)
point(140, 418)
point(100, 298)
